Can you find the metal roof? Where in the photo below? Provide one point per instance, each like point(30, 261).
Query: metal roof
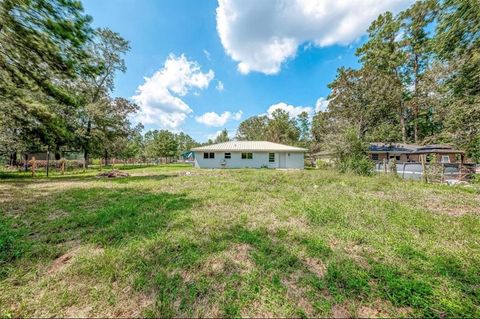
point(254, 146)
point(399, 148)
point(392, 147)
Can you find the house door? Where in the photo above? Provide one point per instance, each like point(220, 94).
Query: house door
point(282, 160)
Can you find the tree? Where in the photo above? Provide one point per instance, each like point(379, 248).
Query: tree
point(222, 137)
point(185, 142)
point(457, 44)
point(383, 54)
point(281, 128)
point(112, 127)
point(42, 50)
point(252, 129)
point(161, 144)
point(106, 56)
point(321, 127)
point(303, 124)
point(417, 46)
point(363, 99)
point(42, 46)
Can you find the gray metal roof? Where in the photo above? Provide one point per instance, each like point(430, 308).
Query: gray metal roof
point(253, 146)
point(400, 148)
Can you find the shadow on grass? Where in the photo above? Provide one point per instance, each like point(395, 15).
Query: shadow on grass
point(21, 181)
point(104, 217)
point(92, 171)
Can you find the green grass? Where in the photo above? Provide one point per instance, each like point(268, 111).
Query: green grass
point(237, 243)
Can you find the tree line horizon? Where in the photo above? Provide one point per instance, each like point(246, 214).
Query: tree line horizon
point(418, 81)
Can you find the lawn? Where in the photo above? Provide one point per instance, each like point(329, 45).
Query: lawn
point(177, 241)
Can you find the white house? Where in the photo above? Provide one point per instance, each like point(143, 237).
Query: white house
point(249, 154)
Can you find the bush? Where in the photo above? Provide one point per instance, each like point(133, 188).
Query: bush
point(356, 165)
point(321, 164)
point(351, 154)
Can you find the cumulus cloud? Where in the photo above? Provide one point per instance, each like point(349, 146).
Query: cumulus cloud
point(216, 120)
point(321, 104)
point(220, 86)
point(292, 110)
point(261, 35)
point(160, 96)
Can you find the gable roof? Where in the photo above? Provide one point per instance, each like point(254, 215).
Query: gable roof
point(253, 146)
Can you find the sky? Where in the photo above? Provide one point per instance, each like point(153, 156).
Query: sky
point(202, 66)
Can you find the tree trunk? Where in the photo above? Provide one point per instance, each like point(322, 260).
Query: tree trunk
point(13, 159)
point(415, 101)
point(87, 145)
point(106, 157)
point(402, 124)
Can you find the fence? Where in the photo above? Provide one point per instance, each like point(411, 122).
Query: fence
point(414, 171)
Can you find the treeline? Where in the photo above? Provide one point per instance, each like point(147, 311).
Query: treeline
point(56, 79)
point(418, 82)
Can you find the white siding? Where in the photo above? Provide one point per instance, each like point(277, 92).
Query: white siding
point(260, 159)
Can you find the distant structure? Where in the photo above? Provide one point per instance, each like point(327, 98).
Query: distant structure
point(249, 154)
point(450, 163)
point(410, 153)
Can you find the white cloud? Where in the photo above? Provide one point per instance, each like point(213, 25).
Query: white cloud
point(214, 135)
point(231, 133)
point(207, 54)
point(261, 35)
point(290, 109)
point(159, 97)
point(216, 120)
point(220, 86)
point(321, 104)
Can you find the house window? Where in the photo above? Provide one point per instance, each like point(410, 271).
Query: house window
point(228, 155)
point(271, 157)
point(247, 155)
point(445, 159)
point(208, 155)
point(374, 157)
point(397, 158)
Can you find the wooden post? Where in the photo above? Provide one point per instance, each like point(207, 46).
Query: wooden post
point(33, 166)
point(385, 165)
point(424, 168)
point(62, 166)
point(442, 178)
point(48, 159)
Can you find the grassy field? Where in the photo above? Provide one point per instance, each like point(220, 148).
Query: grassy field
point(176, 241)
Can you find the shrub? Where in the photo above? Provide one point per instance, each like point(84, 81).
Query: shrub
point(321, 164)
point(351, 154)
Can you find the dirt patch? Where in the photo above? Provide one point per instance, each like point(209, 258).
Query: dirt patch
point(381, 309)
point(237, 258)
point(315, 266)
point(127, 304)
point(66, 259)
point(113, 174)
point(298, 294)
point(437, 205)
point(257, 309)
point(63, 261)
point(340, 311)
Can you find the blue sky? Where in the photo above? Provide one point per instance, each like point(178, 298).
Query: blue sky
point(266, 54)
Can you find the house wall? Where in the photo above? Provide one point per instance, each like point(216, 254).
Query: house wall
point(260, 159)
